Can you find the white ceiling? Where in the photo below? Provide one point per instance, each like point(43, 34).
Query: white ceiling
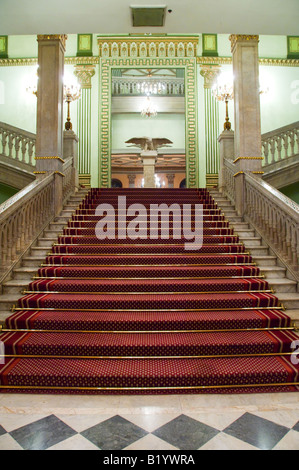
point(273, 17)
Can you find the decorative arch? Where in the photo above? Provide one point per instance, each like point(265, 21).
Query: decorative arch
point(146, 52)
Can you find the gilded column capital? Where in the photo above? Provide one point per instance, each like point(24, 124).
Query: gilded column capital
point(209, 73)
point(237, 38)
point(53, 37)
point(84, 74)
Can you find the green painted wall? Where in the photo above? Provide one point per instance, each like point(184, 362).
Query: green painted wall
point(291, 191)
point(126, 126)
point(6, 192)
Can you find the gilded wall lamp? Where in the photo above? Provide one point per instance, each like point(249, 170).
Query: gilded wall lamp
point(71, 93)
point(224, 91)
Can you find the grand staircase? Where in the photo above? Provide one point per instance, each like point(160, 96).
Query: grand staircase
point(148, 316)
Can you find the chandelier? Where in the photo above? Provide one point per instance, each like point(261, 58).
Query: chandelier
point(148, 110)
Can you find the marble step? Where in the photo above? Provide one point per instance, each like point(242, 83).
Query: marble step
point(250, 241)
point(25, 273)
point(40, 250)
point(15, 286)
point(289, 300)
point(33, 261)
point(283, 285)
point(265, 260)
point(45, 242)
point(7, 301)
point(258, 250)
point(273, 272)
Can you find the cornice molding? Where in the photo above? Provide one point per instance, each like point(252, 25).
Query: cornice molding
point(18, 62)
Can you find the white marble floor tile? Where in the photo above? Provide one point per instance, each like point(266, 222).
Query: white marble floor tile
point(149, 404)
point(82, 422)
point(150, 442)
point(286, 418)
point(289, 442)
point(150, 422)
point(225, 442)
point(216, 420)
point(77, 442)
point(9, 443)
point(11, 421)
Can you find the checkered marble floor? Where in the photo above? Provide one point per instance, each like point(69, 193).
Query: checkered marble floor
point(254, 422)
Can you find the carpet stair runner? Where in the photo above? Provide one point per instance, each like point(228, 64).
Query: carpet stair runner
point(146, 316)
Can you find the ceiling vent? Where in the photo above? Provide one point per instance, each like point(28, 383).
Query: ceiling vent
point(148, 16)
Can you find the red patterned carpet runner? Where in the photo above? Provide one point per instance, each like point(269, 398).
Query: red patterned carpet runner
point(145, 315)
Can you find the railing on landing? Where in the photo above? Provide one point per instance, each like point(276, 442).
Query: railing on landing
point(280, 144)
point(17, 145)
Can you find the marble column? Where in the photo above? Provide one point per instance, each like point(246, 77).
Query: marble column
point(149, 158)
point(170, 179)
point(49, 124)
point(84, 74)
point(247, 139)
point(210, 74)
point(132, 178)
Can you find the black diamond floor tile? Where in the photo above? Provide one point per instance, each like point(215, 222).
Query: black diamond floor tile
point(43, 433)
point(114, 434)
point(2, 430)
point(186, 433)
point(259, 432)
point(296, 427)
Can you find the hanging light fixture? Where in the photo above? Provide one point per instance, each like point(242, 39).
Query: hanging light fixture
point(148, 109)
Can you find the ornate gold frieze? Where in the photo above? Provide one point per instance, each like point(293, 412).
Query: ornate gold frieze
point(235, 38)
point(53, 37)
point(148, 46)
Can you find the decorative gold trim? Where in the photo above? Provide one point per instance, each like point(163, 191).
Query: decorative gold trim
point(200, 60)
point(142, 309)
point(258, 172)
point(39, 172)
point(191, 387)
point(59, 173)
point(239, 173)
point(248, 158)
point(50, 158)
point(53, 37)
point(26, 292)
point(219, 330)
point(207, 356)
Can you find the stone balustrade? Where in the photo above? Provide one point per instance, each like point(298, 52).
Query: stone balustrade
point(23, 217)
point(275, 216)
point(17, 144)
point(127, 86)
point(280, 144)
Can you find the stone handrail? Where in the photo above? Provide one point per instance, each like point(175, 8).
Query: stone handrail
point(128, 86)
point(276, 218)
point(17, 144)
point(280, 144)
point(23, 216)
point(228, 179)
